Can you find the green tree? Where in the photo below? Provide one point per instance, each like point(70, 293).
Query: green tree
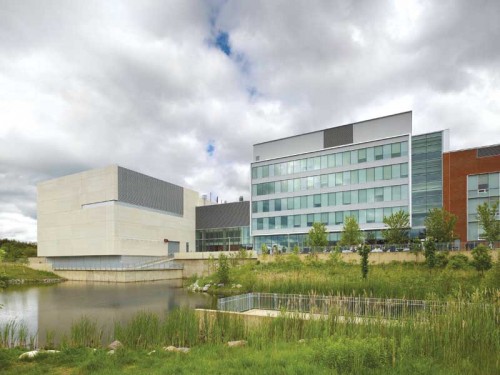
point(223, 269)
point(440, 225)
point(482, 259)
point(486, 214)
point(317, 236)
point(398, 225)
point(430, 252)
point(351, 234)
point(364, 251)
point(2, 255)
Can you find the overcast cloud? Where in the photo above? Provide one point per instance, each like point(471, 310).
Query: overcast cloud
point(181, 90)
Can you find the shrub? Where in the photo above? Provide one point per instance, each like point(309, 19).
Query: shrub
point(441, 259)
point(223, 269)
point(482, 259)
point(430, 252)
point(458, 262)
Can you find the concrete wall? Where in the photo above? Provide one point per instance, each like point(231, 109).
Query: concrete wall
point(65, 226)
point(120, 276)
point(80, 215)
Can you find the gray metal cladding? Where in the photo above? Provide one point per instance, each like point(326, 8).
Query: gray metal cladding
point(341, 135)
point(488, 151)
point(145, 191)
point(226, 215)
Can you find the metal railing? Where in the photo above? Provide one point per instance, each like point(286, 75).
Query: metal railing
point(337, 305)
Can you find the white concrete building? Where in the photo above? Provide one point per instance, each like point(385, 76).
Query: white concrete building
point(113, 216)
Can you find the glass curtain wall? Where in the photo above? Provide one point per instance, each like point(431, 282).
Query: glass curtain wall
point(223, 239)
point(427, 176)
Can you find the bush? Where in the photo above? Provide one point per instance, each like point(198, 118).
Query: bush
point(482, 259)
point(458, 262)
point(223, 269)
point(441, 259)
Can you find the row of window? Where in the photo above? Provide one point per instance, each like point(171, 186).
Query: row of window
point(354, 177)
point(339, 159)
point(371, 215)
point(371, 195)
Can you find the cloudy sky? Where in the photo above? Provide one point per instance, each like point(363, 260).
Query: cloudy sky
point(180, 90)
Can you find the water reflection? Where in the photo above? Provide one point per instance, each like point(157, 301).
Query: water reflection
point(56, 307)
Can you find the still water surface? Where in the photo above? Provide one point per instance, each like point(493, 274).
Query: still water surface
point(55, 307)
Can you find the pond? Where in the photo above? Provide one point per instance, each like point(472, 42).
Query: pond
point(53, 308)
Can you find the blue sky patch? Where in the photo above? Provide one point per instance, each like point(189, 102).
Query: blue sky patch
point(222, 42)
point(210, 149)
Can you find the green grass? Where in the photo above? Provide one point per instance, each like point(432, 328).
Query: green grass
point(465, 340)
point(9, 271)
point(396, 280)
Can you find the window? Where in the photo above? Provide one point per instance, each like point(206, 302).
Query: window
point(289, 203)
point(346, 178)
point(379, 194)
point(404, 170)
point(379, 173)
point(339, 217)
point(338, 159)
point(272, 223)
point(331, 161)
point(379, 153)
point(310, 220)
point(331, 180)
point(370, 175)
point(296, 221)
point(354, 177)
point(370, 215)
point(303, 202)
point(482, 183)
point(396, 171)
point(284, 221)
point(362, 155)
point(265, 171)
point(310, 201)
point(346, 197)
point(317, 200)
point(362, 196)
point(396, 150)
point(277, 204)
point(265, 205)
point(387, 172)
point(324, 218)
point(362, 176)
point(338, 179)
point(324, 180)
point(387, 151)
point(346, 159)
point(331, 199)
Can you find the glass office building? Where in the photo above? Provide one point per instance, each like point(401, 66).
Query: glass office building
point(362, 170)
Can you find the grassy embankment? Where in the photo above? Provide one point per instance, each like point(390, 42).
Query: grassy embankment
point(16, 271)
point(290, 274)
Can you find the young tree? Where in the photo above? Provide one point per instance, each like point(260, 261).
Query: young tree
point(351, 234)
point(486, 214)
point(317, 236)
point(430, 252)
point(398, 225)
point(440, 225)
point(482, 259)
point(364, 251)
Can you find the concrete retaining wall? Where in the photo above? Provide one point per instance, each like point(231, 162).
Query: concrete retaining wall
point(121, 276)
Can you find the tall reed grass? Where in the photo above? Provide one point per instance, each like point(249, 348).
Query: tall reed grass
point(465, 338)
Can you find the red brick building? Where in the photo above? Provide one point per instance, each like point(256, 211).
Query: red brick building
point(470, 177)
